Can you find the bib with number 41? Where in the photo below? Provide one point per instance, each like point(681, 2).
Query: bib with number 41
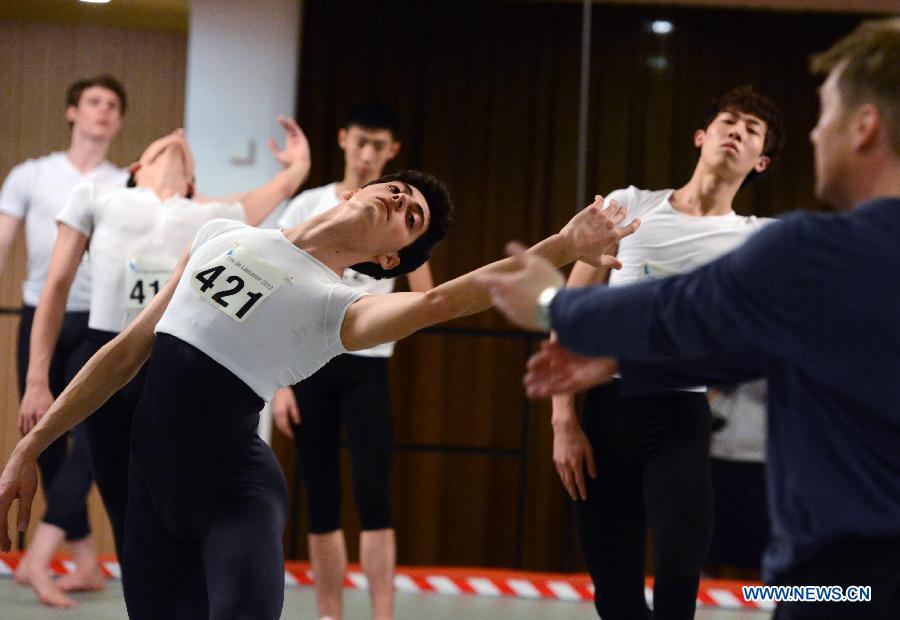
point(144, 278)
point(237, 282)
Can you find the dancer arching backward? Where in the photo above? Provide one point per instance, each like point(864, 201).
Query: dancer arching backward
point(253, 311)
point(133, 234)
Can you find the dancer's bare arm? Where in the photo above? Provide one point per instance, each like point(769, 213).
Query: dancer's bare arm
point(9, 226)
point(573, 455)
point(260, 202)
point(382, 318)
point(68, 249)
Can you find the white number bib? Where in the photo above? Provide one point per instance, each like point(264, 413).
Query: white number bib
point(145, 276)
point(237, 282)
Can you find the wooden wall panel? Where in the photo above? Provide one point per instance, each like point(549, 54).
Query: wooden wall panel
point(37, 63)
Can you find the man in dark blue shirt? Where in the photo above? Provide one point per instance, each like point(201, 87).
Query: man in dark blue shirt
point(812, 304)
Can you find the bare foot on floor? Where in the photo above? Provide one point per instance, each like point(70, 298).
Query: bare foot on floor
point(47, 591)
point(23, 572)
point(89, 579)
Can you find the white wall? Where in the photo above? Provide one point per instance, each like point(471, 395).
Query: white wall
point(241, 73)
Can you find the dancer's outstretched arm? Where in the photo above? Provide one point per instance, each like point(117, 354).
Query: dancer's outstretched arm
point(70, 246)
point(382, 318)
point(260, 202)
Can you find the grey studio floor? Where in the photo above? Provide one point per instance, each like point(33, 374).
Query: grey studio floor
point(18, 603)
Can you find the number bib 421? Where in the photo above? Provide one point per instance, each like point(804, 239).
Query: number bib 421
point(237, 282)
point(145, 276)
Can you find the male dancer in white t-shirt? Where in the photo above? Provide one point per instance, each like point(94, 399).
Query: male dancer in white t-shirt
point(135, 235)
point(652, 452)
point(350, 391)
point(246, 312)
point(33, 194)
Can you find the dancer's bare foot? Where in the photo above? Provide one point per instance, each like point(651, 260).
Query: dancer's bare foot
point(23, 574)
point(83, 579)
point(47, 591)
point(46, 540)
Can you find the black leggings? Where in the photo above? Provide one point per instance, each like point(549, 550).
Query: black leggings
point(353, 390)
point(107, 432)
point(652, 458)
point(65, 470)
point(208, 502)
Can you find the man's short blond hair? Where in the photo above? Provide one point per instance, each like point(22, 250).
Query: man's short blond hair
point(868, 60)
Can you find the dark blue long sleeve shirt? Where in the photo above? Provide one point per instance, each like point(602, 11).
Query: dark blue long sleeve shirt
point(813, 305)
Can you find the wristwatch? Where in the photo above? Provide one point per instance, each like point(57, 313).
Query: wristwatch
point(543, 303)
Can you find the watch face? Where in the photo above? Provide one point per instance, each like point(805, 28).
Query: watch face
point(543, 304)
point(547, 295)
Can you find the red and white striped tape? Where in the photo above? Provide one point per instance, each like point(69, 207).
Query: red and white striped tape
point(467, 581)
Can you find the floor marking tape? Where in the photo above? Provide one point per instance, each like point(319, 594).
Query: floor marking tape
point(720, 594)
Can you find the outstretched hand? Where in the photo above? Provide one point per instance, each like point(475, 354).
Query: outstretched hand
point(296, 146)
point(555, 370)
point(18, 481)
point(515, 292)
point(595, 229)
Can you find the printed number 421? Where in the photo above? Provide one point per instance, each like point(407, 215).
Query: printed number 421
point(207, 279)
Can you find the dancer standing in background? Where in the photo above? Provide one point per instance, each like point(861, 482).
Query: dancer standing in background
point(649, 454)
point(350, 391)
point(33, 194)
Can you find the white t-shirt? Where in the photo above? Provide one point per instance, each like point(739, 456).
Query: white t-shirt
point(36, 190)
point(270, 313)
point(313, 202)
point(135, 242)
point(669, 242)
